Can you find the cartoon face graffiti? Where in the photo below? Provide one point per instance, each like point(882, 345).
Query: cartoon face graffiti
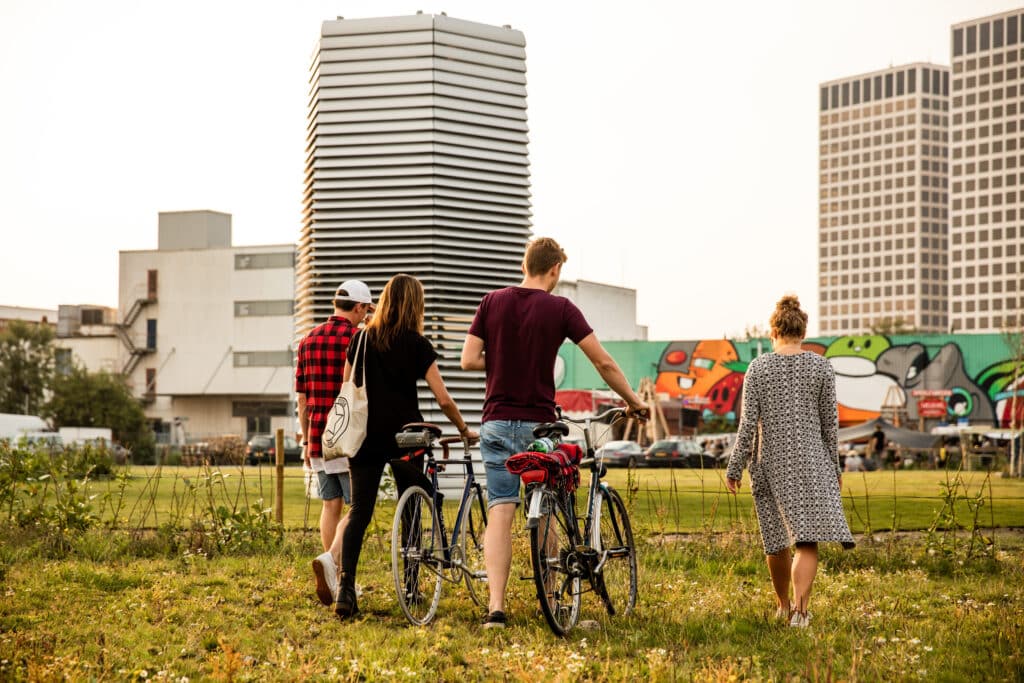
point(1003, 383)
point(694, 368)
point(910, 367)
point(860, 388)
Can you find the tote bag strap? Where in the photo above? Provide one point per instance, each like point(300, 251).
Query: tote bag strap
point(360, 347)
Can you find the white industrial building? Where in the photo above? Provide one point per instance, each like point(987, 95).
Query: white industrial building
point(39, 316)
point(203, 332)
point(610, 310)
point(87, 336)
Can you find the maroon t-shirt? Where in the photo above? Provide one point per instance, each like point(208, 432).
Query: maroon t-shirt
point(522, 329)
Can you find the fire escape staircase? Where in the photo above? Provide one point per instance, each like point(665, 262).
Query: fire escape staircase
point(135, 353)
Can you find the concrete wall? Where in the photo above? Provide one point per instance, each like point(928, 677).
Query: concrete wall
point(193, 230)
point(95, 353)
point(610, 310)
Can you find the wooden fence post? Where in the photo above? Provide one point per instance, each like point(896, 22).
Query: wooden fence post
point(279, 469)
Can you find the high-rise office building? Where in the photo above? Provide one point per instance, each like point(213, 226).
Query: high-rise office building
point(883, 197)
point(416, 163)
point(987, 175)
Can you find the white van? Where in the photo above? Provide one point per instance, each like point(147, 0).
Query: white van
point(13, 427)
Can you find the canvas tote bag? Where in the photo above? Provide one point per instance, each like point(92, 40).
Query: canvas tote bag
point(345, 429)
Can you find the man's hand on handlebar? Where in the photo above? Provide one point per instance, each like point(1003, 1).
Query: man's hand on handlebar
point(640, 413)
point(469, 437)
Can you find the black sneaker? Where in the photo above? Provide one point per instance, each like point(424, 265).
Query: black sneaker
point(346, 605)
point(495, 620)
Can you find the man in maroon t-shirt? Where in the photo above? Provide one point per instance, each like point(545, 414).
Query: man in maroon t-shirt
point(515, 338)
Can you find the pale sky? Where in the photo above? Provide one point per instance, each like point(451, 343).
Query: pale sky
point(673, 145)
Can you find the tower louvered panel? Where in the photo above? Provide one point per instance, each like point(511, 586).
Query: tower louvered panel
point(416, 163)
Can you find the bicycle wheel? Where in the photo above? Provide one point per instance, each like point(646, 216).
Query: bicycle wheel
point(618, 575)
point(415, 545)
point(471, 545)
point(557, 570)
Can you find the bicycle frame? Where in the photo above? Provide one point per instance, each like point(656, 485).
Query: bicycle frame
point(433, 467)
point(591, 521)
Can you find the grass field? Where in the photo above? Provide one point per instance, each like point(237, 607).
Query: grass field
point(704, 614)
point(670, 501)
point(119, 606)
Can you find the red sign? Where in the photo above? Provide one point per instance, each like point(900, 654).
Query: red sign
point(931, 407)
point(931, 393)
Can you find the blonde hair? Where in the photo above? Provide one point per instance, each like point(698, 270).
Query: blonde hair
point(399, 309)
point(788, 321)
point(543, 254)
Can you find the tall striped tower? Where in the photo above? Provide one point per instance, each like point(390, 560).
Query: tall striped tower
point(416, 163)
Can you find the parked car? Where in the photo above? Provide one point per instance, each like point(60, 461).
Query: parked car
point(621, 453)
point(667, 452)
point(261, 448)
point(678, 453)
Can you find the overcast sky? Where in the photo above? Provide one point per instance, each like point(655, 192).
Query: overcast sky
point(673, 144)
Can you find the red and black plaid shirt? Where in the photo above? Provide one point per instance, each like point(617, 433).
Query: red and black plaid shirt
point(319, 371)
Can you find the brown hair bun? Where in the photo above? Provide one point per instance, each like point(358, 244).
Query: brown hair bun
point(788, 321)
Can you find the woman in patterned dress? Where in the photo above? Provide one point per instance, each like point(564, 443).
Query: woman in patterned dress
point(789, 405)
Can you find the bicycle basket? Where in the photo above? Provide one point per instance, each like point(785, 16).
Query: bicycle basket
point(558, 469)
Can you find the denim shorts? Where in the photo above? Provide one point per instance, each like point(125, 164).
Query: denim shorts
point(334, 486)
point(500, 439)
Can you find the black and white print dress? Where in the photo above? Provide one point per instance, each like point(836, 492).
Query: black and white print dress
point(791, 401)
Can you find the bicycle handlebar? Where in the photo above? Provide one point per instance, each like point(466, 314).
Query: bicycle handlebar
point(607, 417)
point(446, 441)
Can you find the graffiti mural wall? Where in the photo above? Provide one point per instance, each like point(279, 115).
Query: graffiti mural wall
point(977, 374)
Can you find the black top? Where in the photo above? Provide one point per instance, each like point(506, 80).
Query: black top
point(391, 378)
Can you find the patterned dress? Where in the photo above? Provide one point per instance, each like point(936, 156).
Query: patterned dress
point(791, 402)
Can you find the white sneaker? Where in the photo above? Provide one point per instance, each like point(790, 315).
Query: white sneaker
point(326, 574)
point(800, 620)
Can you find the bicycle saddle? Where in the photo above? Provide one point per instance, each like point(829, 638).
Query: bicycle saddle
point(423, 427)
point(550, 429)
point(417, 435)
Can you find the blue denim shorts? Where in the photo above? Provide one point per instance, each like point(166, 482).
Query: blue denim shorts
point(500, 439)
point(333, 486)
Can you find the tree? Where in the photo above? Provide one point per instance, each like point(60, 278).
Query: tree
point(27, 361)
point(84, 399)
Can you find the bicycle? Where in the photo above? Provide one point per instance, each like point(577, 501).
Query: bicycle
point(422, 553)
point(562, 555)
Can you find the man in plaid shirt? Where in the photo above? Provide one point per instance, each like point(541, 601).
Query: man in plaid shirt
point(318, 378)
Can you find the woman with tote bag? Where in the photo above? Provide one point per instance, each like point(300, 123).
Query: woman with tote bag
point(393, 357)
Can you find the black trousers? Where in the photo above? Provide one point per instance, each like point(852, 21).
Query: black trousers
point(366, 473)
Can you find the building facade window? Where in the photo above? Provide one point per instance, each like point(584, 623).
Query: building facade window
point(263, 359)
point(284, 259)
point(248, 309)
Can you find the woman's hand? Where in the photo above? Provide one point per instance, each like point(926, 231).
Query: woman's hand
point(732, 484)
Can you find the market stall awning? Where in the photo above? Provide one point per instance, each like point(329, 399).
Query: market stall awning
point(907, 438)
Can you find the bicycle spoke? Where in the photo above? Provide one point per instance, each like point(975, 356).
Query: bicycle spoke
point(617, 575)
point(555, 566)
point(414, 564)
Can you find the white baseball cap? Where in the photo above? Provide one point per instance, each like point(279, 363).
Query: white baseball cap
point(354, 290)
